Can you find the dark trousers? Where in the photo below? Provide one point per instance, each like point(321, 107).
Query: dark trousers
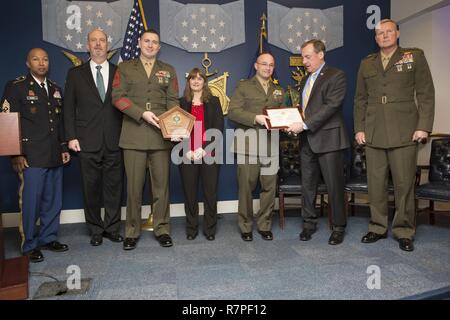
point(331, 164)
point(190, 176)
point(102, 178)
point(41, 198)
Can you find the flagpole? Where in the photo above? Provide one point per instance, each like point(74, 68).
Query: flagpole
point(262, 32)
point(141, 8)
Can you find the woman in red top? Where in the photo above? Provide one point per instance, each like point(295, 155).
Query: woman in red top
point(207, 110)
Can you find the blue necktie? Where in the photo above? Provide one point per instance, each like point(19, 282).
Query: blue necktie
point(100, 83)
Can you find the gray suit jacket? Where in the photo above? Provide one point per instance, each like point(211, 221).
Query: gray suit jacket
point(323, 115)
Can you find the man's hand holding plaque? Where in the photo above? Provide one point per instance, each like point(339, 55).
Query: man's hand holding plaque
point(282, 118)
point(176, 124)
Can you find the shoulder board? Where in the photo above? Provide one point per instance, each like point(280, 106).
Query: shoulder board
point(19, 79)
point(370, 56)
point(412, 50)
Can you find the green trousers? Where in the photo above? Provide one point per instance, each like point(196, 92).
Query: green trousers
point(136, 164)
point(402, 163)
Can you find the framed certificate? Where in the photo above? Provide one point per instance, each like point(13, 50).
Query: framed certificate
point(281, 118)
point(176, 122)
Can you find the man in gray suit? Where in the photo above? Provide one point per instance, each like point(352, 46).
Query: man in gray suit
point(323, 139)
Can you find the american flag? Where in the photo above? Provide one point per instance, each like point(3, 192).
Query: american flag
point(136, 26)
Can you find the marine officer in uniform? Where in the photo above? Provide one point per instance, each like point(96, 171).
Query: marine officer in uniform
point(246, 109)
point(40, 167)
point(389, 121)
point(143, 89)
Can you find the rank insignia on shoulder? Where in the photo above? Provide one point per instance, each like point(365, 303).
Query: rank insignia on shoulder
point(19, 79)
point(6, 106)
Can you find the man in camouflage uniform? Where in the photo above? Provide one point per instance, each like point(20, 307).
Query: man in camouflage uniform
point(389, 121)
point(246, 109)
point(143, 89)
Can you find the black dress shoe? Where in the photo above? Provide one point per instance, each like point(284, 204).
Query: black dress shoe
point(113, 236)
point(372, 237)
point(247, 236)
point(266, 235)
point(191, 236)
point(306, 234)
point(129, 244)
point(211, 237)
point(165, 240)
point(96, 240)
point(55, 246)
point(406, 244)
point(34, 255)
point(337, 237)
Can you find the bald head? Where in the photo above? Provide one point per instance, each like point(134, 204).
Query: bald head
point(98, 46)
point(37, 62)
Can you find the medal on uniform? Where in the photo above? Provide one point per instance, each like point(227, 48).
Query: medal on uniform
point(57, 110)
point(409, 66)
point(33, 110)
point(31, 93)
point(56, 94)
point(399, 67)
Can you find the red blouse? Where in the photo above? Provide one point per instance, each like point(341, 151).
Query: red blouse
point(198, 132)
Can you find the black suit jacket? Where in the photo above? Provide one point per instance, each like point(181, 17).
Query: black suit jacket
point(40, 120)
point(323, 115)
point(86, 117)
point(213, 113)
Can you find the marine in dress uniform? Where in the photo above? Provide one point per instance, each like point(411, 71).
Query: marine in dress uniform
point(144, 88)
point(389, 121)
point(246, 109)
point(40, 167)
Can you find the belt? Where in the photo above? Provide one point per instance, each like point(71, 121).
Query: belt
point(385, 100)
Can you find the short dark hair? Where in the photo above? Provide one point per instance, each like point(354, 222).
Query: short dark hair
point(206, 92)
point(318, 45)
point(150, 31)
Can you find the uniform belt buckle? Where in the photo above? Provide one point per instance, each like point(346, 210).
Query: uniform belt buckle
point(384, 99)
point(148, 106)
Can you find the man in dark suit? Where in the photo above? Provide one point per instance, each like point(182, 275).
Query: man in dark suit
point(92, 126)
point(323, 139)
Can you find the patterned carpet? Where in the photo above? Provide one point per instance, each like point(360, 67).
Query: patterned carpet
point(229, 268)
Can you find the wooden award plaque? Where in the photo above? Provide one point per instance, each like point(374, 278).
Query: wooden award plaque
point(176, 123)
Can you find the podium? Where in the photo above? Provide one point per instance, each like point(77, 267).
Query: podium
point(13, 272)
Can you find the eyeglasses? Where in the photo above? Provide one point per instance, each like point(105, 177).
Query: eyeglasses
point(264, 64)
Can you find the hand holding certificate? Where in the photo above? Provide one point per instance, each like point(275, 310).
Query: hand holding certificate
point(282, 118)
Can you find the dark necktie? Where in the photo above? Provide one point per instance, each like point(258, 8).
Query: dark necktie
point(100, 83)
point(43, 87)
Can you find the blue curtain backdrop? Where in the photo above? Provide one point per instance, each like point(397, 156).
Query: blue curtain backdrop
point(21, 29)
